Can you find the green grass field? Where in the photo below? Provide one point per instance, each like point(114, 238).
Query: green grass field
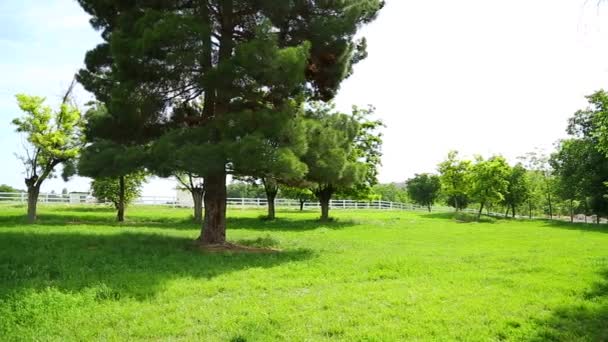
point(369, 276)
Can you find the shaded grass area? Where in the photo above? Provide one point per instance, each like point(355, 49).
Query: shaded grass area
point(370, 275)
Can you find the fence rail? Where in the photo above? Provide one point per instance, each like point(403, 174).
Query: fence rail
point(233, 202)
point(82, 198)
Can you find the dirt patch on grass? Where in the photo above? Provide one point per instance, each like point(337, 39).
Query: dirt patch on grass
point(234, 248)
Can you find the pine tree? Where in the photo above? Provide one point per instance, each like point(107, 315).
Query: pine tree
point(217, 73)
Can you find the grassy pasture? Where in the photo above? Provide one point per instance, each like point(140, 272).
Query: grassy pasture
point(369, 276)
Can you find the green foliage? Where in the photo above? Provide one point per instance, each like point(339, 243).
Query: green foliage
point(581, 162)
point(53, 137)
point(343, 150)
point(216, 87)
point(455, 180)
point(424, 189)
point(245, 190)
point(108, 189)
point(489, 180)
point(518, 189)
point(300, 194)
point(8, 188)
point(381, 267)
point(391, 192)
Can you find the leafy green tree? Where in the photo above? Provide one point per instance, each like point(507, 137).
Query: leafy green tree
point(343, 154)
point(53, 138)
point(112, 151)
point(489, 180)
point(518, 190)
point(223, 76)
point(454, 176)
point(302, 194)
point(541, 180)
point(424, 189)
point(244, 189)
point(581, 163)
point(7, 188)
point(391, 192)
point(196, 186)
point(119, 191)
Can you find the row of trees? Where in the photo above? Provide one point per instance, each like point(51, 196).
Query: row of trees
point(203, 89)
point(570, 181)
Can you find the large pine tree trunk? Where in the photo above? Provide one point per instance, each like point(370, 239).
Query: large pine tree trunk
point(197, 199)
point(32, 203)
point(213, 231)
point(120, 215)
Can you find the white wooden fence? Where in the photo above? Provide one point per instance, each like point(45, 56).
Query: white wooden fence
point(82, 198)
point(232, 202)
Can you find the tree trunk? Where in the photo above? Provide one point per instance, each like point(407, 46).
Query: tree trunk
point(530, 209)
point(197, 199)
point(324, 197)
point(32, 203)
point(571, 211)
point(213, 230)
point(456, 203)
point(480, 210)
point(513, 210)
point(270, 197)
point(597, 219)
point(550, 207)
point(507, 212)
point(120, 216)
point(271, 188)
point(302, 205)
point(429, 207)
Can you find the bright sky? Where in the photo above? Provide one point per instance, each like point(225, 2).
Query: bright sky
point(478, 76)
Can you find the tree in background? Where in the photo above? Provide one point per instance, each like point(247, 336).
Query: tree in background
point(489, 180)
point(391, 192)
point(302, 194)
point(219, 72)
point(343, 153)
point(8, 188)
point(581, 162)
point(518, 190)
point(119, 191)
point(113, 151)
point(454, 176)
point(51, 138)
point(424, 189)
point(196, 187)
point(541, 181)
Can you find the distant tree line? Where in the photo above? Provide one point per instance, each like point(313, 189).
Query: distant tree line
point(570, 181)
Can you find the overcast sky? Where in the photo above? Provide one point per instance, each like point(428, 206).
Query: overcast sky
point(479, 76)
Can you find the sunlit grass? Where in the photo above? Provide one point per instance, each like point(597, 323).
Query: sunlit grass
point(370, 275)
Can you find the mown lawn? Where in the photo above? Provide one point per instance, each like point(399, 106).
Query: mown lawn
point(369, 276)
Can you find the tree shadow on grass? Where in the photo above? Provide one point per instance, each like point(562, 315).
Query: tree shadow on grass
point(587, 227)
point(285, 224)
point(62, 219)
point(586, 321)
point(462, 217)
point(126, 265)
